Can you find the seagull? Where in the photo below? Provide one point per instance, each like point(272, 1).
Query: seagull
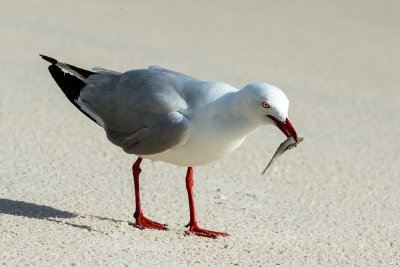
point(163, 115)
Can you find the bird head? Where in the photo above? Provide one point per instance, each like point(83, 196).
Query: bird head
point(271, 106)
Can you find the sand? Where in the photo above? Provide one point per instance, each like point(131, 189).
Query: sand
point(66, 193)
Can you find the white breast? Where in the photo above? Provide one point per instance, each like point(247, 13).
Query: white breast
point(199, 150)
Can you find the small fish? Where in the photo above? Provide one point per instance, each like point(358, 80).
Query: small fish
point(286, 145)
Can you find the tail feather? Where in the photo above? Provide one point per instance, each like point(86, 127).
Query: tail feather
point(49, 59)
point(81, 73)
point(71, 85)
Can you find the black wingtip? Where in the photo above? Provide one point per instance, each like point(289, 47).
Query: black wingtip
point(49, 59)
point(70, 85)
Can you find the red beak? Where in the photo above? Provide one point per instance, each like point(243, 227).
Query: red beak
point(286, 127)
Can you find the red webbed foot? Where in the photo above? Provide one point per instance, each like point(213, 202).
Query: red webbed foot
point(195, 230)
point(143, 223)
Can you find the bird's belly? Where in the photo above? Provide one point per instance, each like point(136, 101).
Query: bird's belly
point(197, 152)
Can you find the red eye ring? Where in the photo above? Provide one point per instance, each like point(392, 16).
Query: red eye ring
point(265, 104)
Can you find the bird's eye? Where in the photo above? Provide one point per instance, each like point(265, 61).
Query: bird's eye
point(265, 104)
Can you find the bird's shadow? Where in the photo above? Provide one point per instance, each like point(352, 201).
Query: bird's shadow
point(34, 211)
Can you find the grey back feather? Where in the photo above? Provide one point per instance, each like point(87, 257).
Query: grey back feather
point(142, 110)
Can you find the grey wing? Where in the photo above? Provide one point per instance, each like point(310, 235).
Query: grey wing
point(141, 110)
point(157, 134)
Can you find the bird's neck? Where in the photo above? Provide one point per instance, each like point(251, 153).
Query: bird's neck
point(230, 116)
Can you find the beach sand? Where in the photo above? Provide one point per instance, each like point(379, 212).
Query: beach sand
point(66, 193)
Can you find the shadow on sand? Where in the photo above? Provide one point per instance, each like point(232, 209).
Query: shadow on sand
point(25, 209)
point(30, 210)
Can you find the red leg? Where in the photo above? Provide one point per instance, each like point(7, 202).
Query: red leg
point(141, 221)
point(193, 227)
